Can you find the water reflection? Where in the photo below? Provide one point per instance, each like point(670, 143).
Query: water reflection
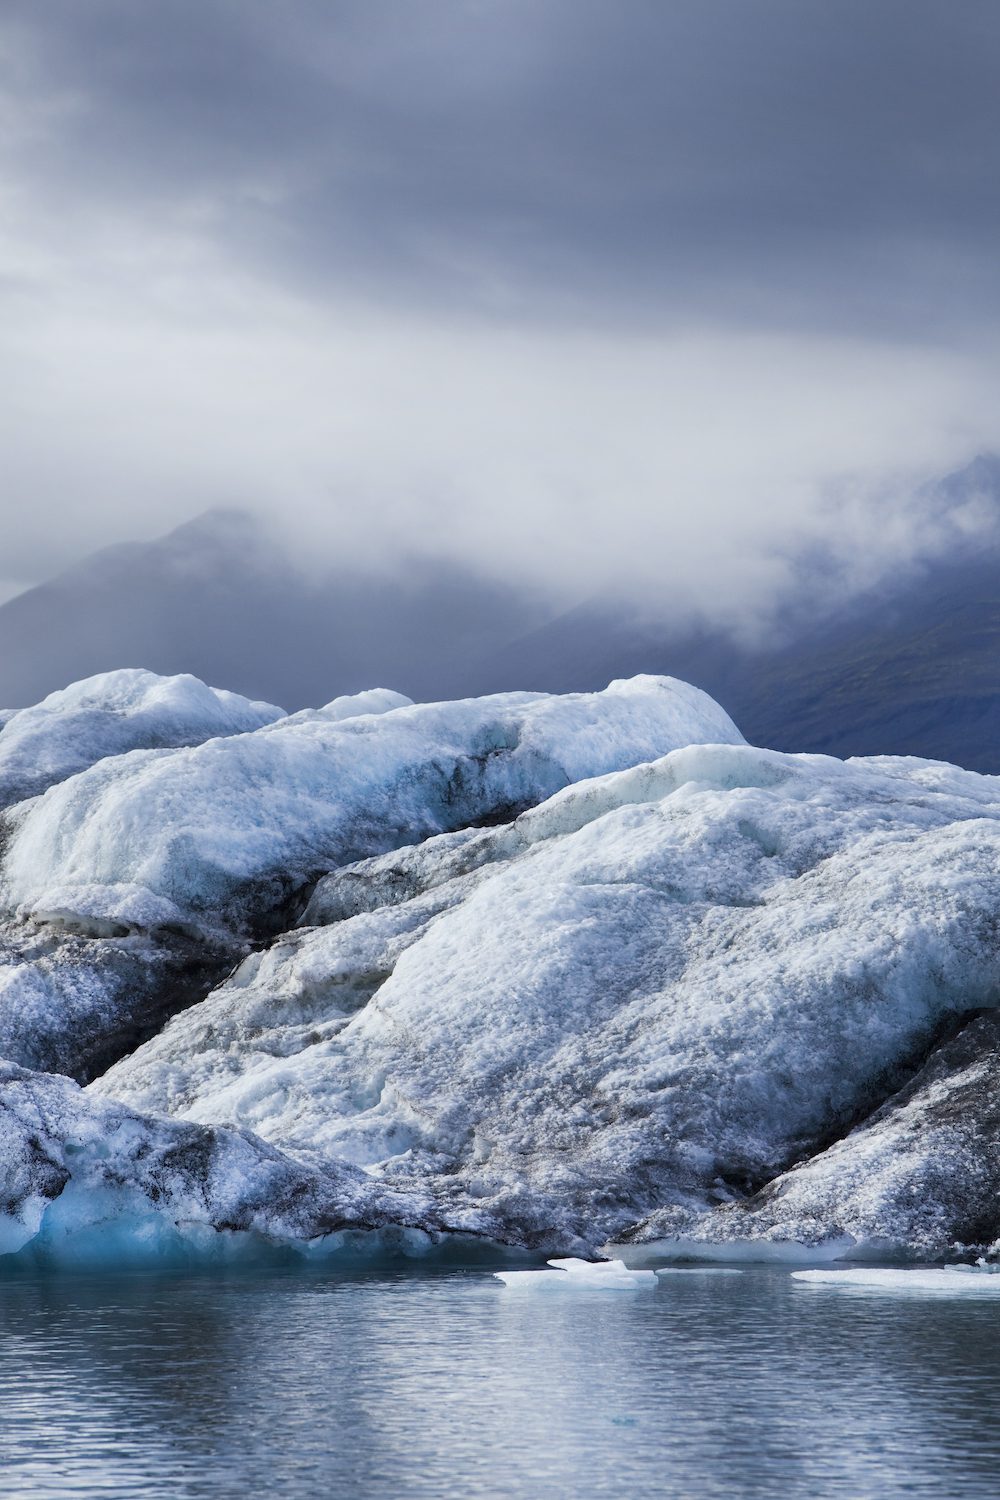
point(446, 1385)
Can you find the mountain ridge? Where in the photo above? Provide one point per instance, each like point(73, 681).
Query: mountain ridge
point(907, 667)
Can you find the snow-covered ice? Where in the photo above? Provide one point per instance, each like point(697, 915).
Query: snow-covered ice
point(561, 973)
point(231, 827)
point(349, 706)
point(72, 1003)
point(110, 714)
point(918, 1175)
point(88, 1180)
point(641, 1000)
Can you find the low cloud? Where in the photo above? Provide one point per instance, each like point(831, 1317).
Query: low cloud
point(647, 300)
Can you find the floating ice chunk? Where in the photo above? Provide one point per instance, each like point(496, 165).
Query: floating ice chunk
point(975, 1281)
point(698, 1271)
point(110, 714)
point(574, 1275)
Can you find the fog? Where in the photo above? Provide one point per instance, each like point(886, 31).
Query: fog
point(655, 301)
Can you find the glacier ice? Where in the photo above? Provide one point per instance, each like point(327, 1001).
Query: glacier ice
point(350, 706)
point(92, 969)
point(231, 828)
point(94, 962)
point(72, 1003)
point(88, 1180)
point(637, 1002)
point(919, 1174)
point(559, 973)
point(110, 714)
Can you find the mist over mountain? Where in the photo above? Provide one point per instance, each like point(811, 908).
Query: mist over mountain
point(216, 598)
point(906, 665)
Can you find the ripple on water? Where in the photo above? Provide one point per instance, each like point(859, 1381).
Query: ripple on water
point(443, 1384)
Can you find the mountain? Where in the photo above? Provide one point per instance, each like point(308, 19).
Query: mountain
point(215, 598)
point(912, 668)
point(915, 671)
point(907, 668)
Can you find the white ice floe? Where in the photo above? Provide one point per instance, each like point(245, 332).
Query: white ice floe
point(698, 1271)
point(964, 1281)
point(577, 1275)
point(110, 714)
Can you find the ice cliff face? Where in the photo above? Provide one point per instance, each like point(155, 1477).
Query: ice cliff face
point(677, 990)
point(88, 1180)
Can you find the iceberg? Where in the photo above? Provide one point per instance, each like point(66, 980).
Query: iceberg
point(110, 714)
point(229, 830)
point(88, 1181)
point(621, 1015)
point(557, 973)
point(917, 1177)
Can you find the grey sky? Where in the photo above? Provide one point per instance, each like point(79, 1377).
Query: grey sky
point(600, 291)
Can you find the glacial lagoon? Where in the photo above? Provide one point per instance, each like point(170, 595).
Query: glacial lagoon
point(413, 1380)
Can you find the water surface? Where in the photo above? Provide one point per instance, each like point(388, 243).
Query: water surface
point(414, 1383)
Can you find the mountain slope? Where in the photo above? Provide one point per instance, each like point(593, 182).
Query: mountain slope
point(910, 668)
point(215, 599)
point(914, 672)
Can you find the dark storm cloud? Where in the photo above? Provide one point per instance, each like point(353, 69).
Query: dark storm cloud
point(780, 160)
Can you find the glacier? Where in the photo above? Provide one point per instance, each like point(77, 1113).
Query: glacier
point(574, 975)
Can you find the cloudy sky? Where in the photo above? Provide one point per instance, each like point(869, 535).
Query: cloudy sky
point(649, 294)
